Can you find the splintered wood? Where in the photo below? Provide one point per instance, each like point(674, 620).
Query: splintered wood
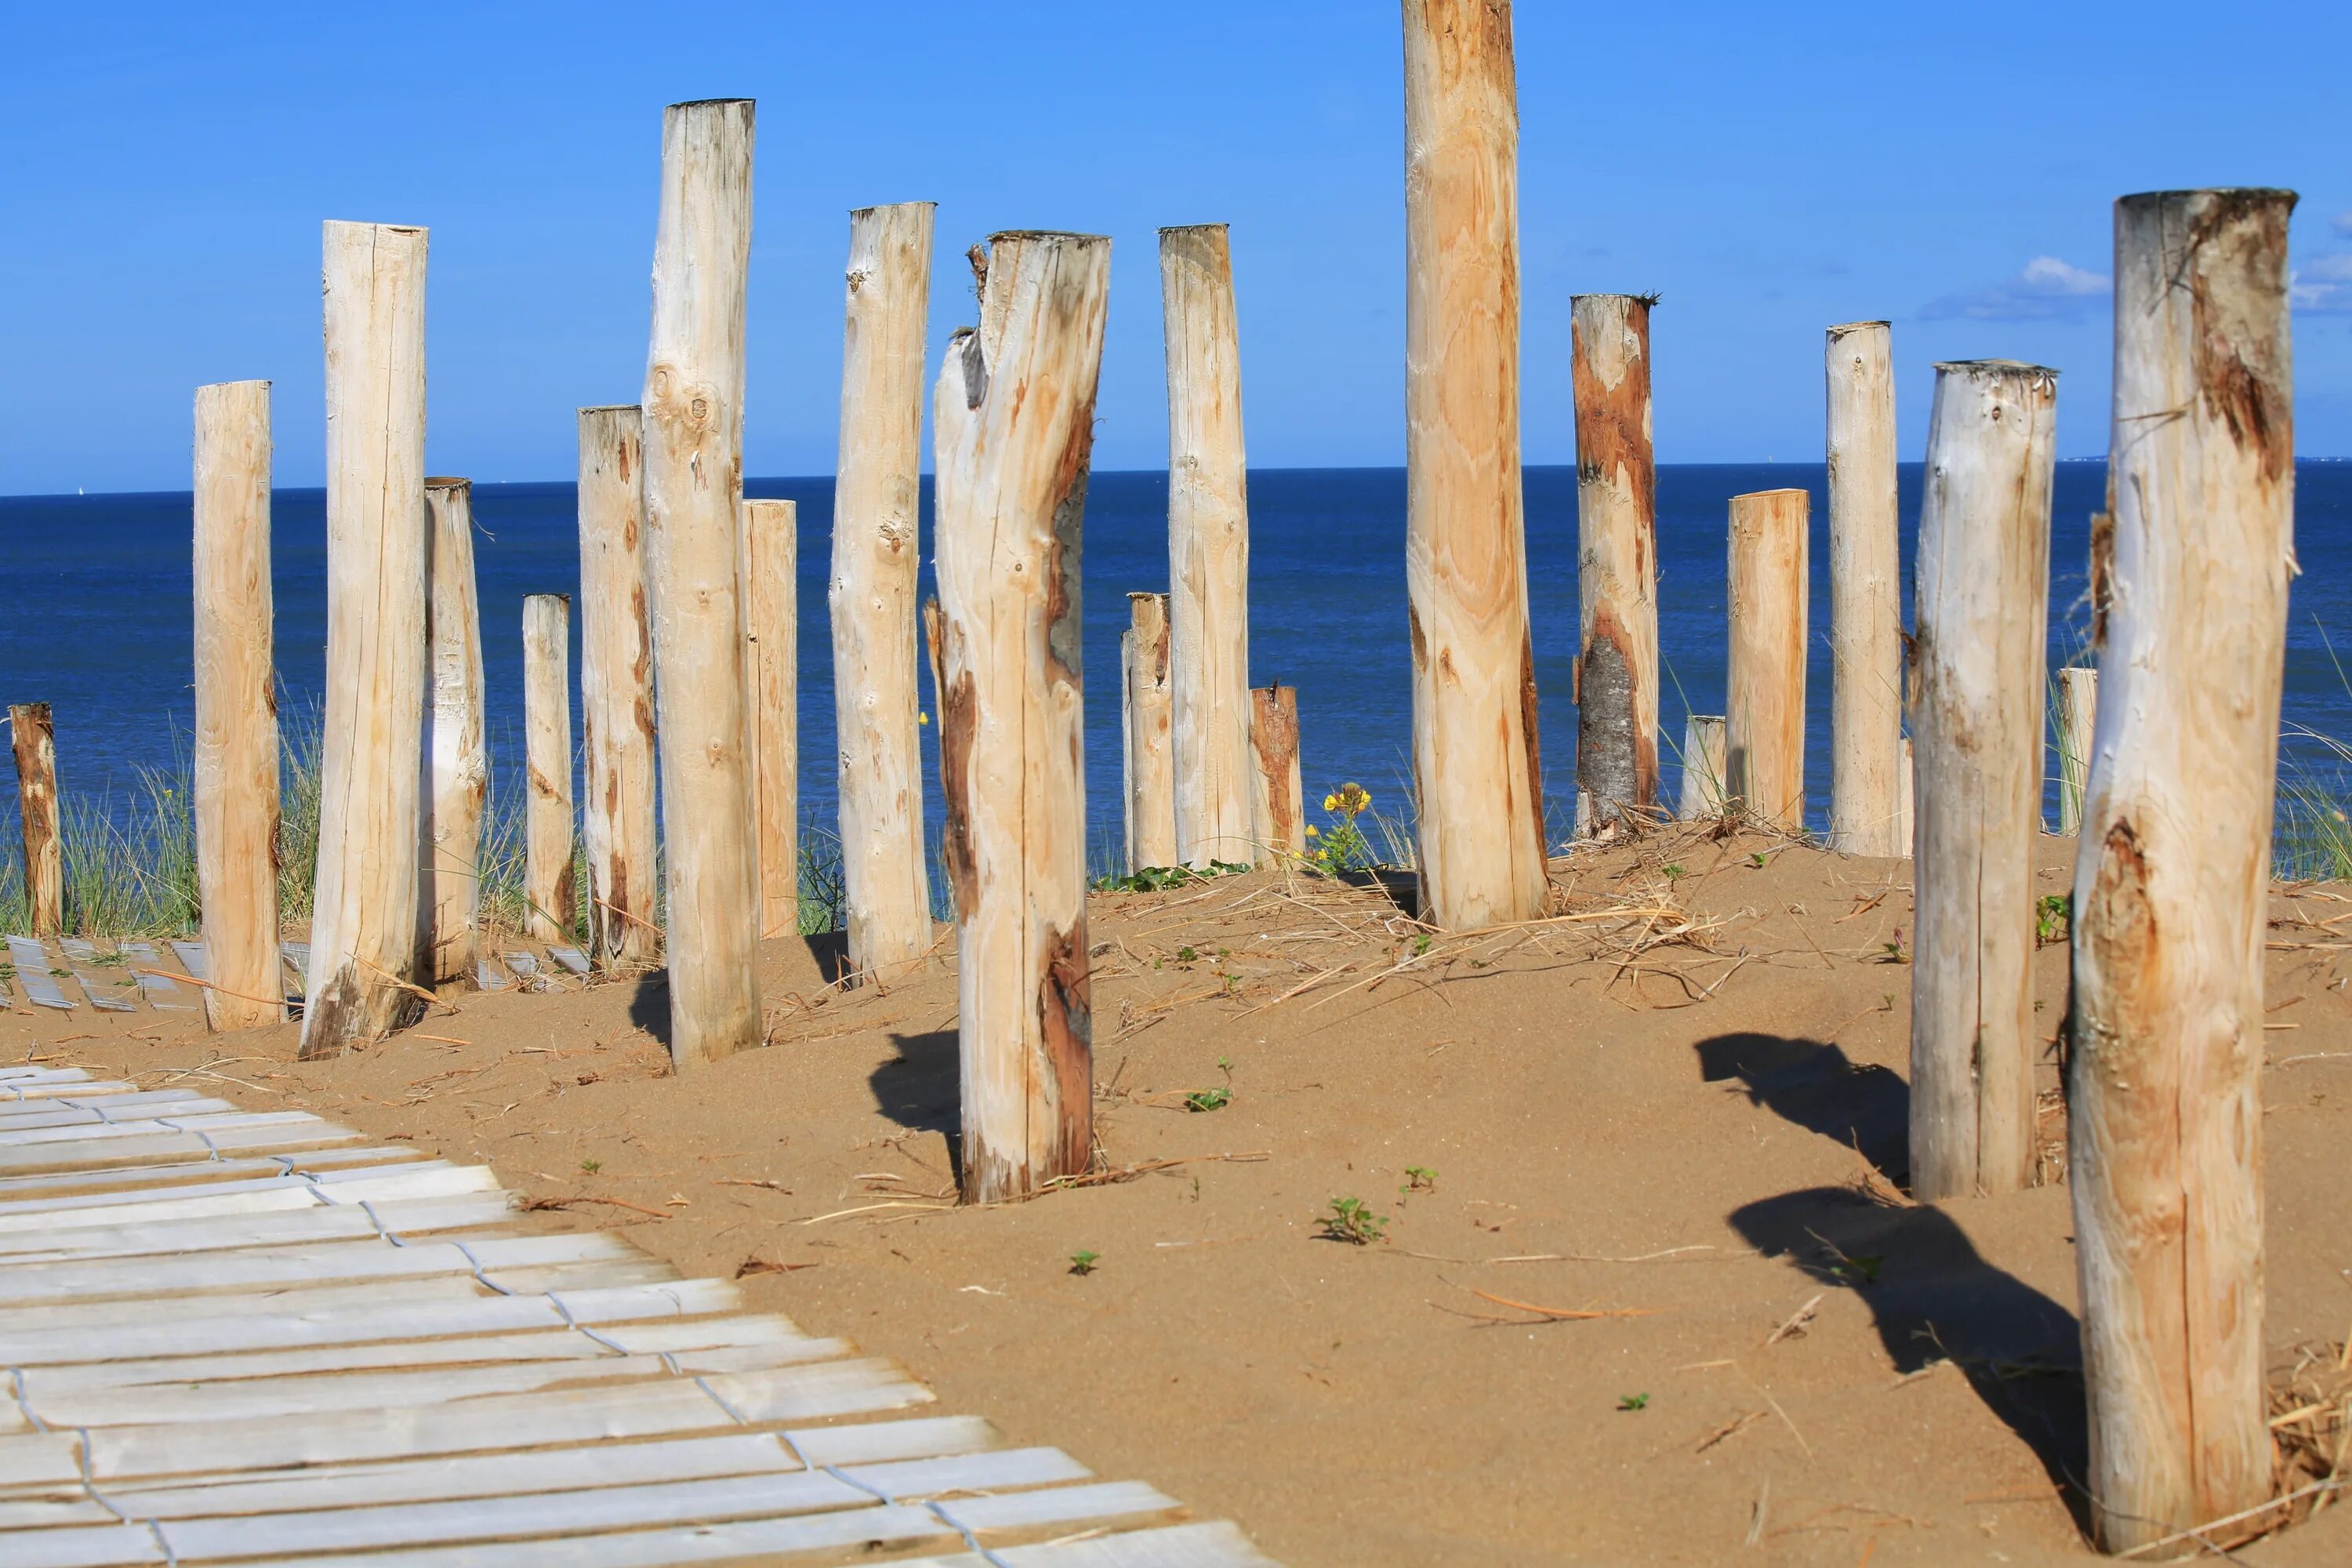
point(235, 1337)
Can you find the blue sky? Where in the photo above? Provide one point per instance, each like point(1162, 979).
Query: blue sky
point(1769, 170)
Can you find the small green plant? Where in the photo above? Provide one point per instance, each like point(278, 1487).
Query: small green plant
point(1895, 951)
point(1186, 955)
point(1209, 1099)
point(1158, 879)
point(1756, 860)
point(1632, 1402)
point(1417, 1179)
point(591, 1166)
point(1084, 1262)
point(2053, 917)
point(1351, 1220)
point(1342, 847)
point(1675, 872)
point(1421, 945)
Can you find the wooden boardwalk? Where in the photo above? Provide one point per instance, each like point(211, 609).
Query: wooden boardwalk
point(238, 1337)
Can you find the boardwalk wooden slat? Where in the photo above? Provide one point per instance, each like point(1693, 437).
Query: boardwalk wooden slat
point(167, 1148)
point(262, 1194)
point(106, 992)
point(192, 959)
point(326, 1263)
point(201, 1171)
point(235, 1232)
point(96, 1131)
point(161, 990)
point(32, 963)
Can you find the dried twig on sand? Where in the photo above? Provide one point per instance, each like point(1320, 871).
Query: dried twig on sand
point(537, 1203)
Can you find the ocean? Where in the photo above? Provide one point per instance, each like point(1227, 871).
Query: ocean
point(100, 626)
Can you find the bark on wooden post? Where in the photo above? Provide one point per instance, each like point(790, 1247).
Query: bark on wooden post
point(886, 875)
point(1014, 422)
point(34, 739)
point(1208, 547)
point(548, 884)
point(1764, 772)
point(2078, 707)
point(1279, 800)
point(2172, 877)
point(363, 921)
point(771, 551)
point(1476, 773)
point(1703, 768)
point(1616, 563)
point(1865, 593)
point(616, 691)
point(694, 485)
point(236, 761)
point(457, 761)
point(1145, 721)
point(1983, 612)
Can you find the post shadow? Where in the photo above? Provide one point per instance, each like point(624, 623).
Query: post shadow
point(649, 1006)
point(1859, 1105)
point(922, 1087)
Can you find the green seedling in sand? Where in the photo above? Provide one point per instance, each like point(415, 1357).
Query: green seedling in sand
point(1894, 950)
point(1158, 879)
point(591, 1166)
point(1419, 1179)
point(2053, 916)
point(1632, 1402)
point(1756, 860)
point(1186, 955)
point(1352, 1221)
point(1421, 945)
point(1208, 1100)
point(1084, 1262)
point(1674, 872)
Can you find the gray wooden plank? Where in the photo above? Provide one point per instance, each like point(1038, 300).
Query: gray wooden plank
point(211, 1116)
point(12, 1108)
point(162, 992)
point(571, 958)
point(111, 992)
point(192, 959)
point(336, 1262)
point(1058, 1505)
point(201, 1172)
point(169, 1148)
point(24, 1116)
point(180, 1235)
point(1215, 1545)
point(251, 1195)
point(33, 964)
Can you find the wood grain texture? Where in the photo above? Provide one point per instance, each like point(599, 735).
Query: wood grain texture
point(771, 552)
point(1279, 797)
point(364, 923)
point(1865, 592)
point(693, 489)
point(549, 881)
point(884, 867)
point(1764, 724)
point(1616, 563)
point(33, 740)
point(1208, 547)
point(457, 759)
point(2172, 873)
point(1146, 718)
point(1984, 579)
point(1704, 766)
point(235, 761)
point(2078, 708)
point(1013, 421)
point(616, 691)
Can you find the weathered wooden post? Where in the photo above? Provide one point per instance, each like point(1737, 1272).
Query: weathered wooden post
point(1279, 800)
point(2172, 877)
point(772, 551)
point(2078, 706)
point(1475, 768)
point(34, 740)
point(693, 486)
point(549, 891)
point(1865, 593)
point(1616, 564)
point(1983, 611)
point(616, 691)
point(1145, 719)
point(370, 819)
point(1764, 772)
point(1012, 420)
point(886, 875)
point(457, 760)
point(1907, 796)
point(1208, 547)
point(1704, 765)
point(236, 782)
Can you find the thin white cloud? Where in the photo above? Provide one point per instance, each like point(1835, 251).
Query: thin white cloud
point(2044, 289)
point(2323, 286)
point(2343, 224)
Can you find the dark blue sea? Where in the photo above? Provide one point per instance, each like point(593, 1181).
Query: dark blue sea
point(97, 623)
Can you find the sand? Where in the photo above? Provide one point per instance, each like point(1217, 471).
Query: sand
point(1683, 1111)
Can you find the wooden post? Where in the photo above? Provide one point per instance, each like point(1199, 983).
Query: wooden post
point(2078, 706)
point(1144, 717)
point(549, 887)
point(935, 631)
point(616, 691)
point(457, 760)
point(2102, 584)
point(885, 877)
point(772, 548)
point(1704, 766)
point(1764, 769)
point(236, 761)
point(1279, 806)
point(371, 817)
point(1982, 618)
point(1208, 547)
point(2172, 876)
point(1616, 563)
point(34, 739)
point(1907, 795)
point(1865, 593)
point(694, 485)
point(1013, 419)
point(1476, 774)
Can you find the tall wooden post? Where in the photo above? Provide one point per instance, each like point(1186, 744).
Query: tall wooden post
point(2078, 707)
point(1280, 801)
point(772, 548)
point(1616, 563)
point(1208, 547)
point(236, 760)
point(1907, 796)
point(34, 740)
point(1013, 419)
point(886, 875)
point(1704, 767)
point(1983, 614)
point(1145, 719)
point(549, 885)
point(694, 485)
point(1865, 592)
point(371, 819)
point(457, 760)
point(2172, 877)
point(1765, 693)
point(1476, 773)
point(616, 691)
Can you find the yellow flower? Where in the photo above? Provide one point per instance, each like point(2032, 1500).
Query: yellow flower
point(921, 717)
point(1330, 803)
point(1313, 831)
